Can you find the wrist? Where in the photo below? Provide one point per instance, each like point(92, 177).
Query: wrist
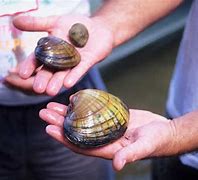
point(119, 32)
point(174, 147)
point(167, 143)
point(186, 132)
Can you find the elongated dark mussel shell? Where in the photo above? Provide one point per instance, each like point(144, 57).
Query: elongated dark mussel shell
point(95, 118)
point(56, 53)
point(78, 35)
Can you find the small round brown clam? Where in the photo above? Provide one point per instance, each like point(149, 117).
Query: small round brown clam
point(56, 53)
point(78, 35)
point(95, 118)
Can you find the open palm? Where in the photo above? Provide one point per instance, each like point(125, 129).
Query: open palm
point(147, 135)
point(98, 47)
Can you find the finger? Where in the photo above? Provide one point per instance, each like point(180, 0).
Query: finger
point(51, 117)
point(57, 107)
point(56, 83)
point(57, 133)
point(77, 72)
point(131, 153)
point(41, 80)
point(27, 67)
point(14, 69)
point(16, 81)
point(30, 23)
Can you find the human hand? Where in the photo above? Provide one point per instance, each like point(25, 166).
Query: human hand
point(99, 45)
point(147, 135)
point(13, 79)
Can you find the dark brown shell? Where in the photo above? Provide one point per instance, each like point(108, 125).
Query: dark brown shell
point(78, 35)
point(95, 118)
point(56, 53)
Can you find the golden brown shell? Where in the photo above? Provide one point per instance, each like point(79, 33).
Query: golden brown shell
point(56, 53)
point(95, 118)
point(78, 35)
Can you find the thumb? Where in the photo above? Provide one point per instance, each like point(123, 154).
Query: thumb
point(131, 153)
point(30, 23)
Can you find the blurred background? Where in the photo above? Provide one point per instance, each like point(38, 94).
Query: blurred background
point(139, 72)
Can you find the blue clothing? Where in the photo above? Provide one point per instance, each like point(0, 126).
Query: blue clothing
point(183, 93)
point(28, 152)
point(24, 144)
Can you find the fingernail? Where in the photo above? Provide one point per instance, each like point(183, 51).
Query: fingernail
point(52, 90)
point(38, 87)
point(69, 82)
point(51, 129)
point(13, 70)
point(122, 164)
point(23, 73)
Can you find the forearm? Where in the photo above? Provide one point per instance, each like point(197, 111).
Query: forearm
point(185, 136)
point(127, 18)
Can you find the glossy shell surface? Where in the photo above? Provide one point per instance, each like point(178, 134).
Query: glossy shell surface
point(78, 35)
point(56, 53)
point(95, 118)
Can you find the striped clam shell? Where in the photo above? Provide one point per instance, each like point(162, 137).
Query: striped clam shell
point(95, 118)
point(56, 53)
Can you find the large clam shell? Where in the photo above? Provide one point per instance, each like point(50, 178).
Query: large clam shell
point(56, 53)
point(95, 118)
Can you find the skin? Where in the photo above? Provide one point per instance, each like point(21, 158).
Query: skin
point(148, 134)
point(131, 21)
point(29, 76)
